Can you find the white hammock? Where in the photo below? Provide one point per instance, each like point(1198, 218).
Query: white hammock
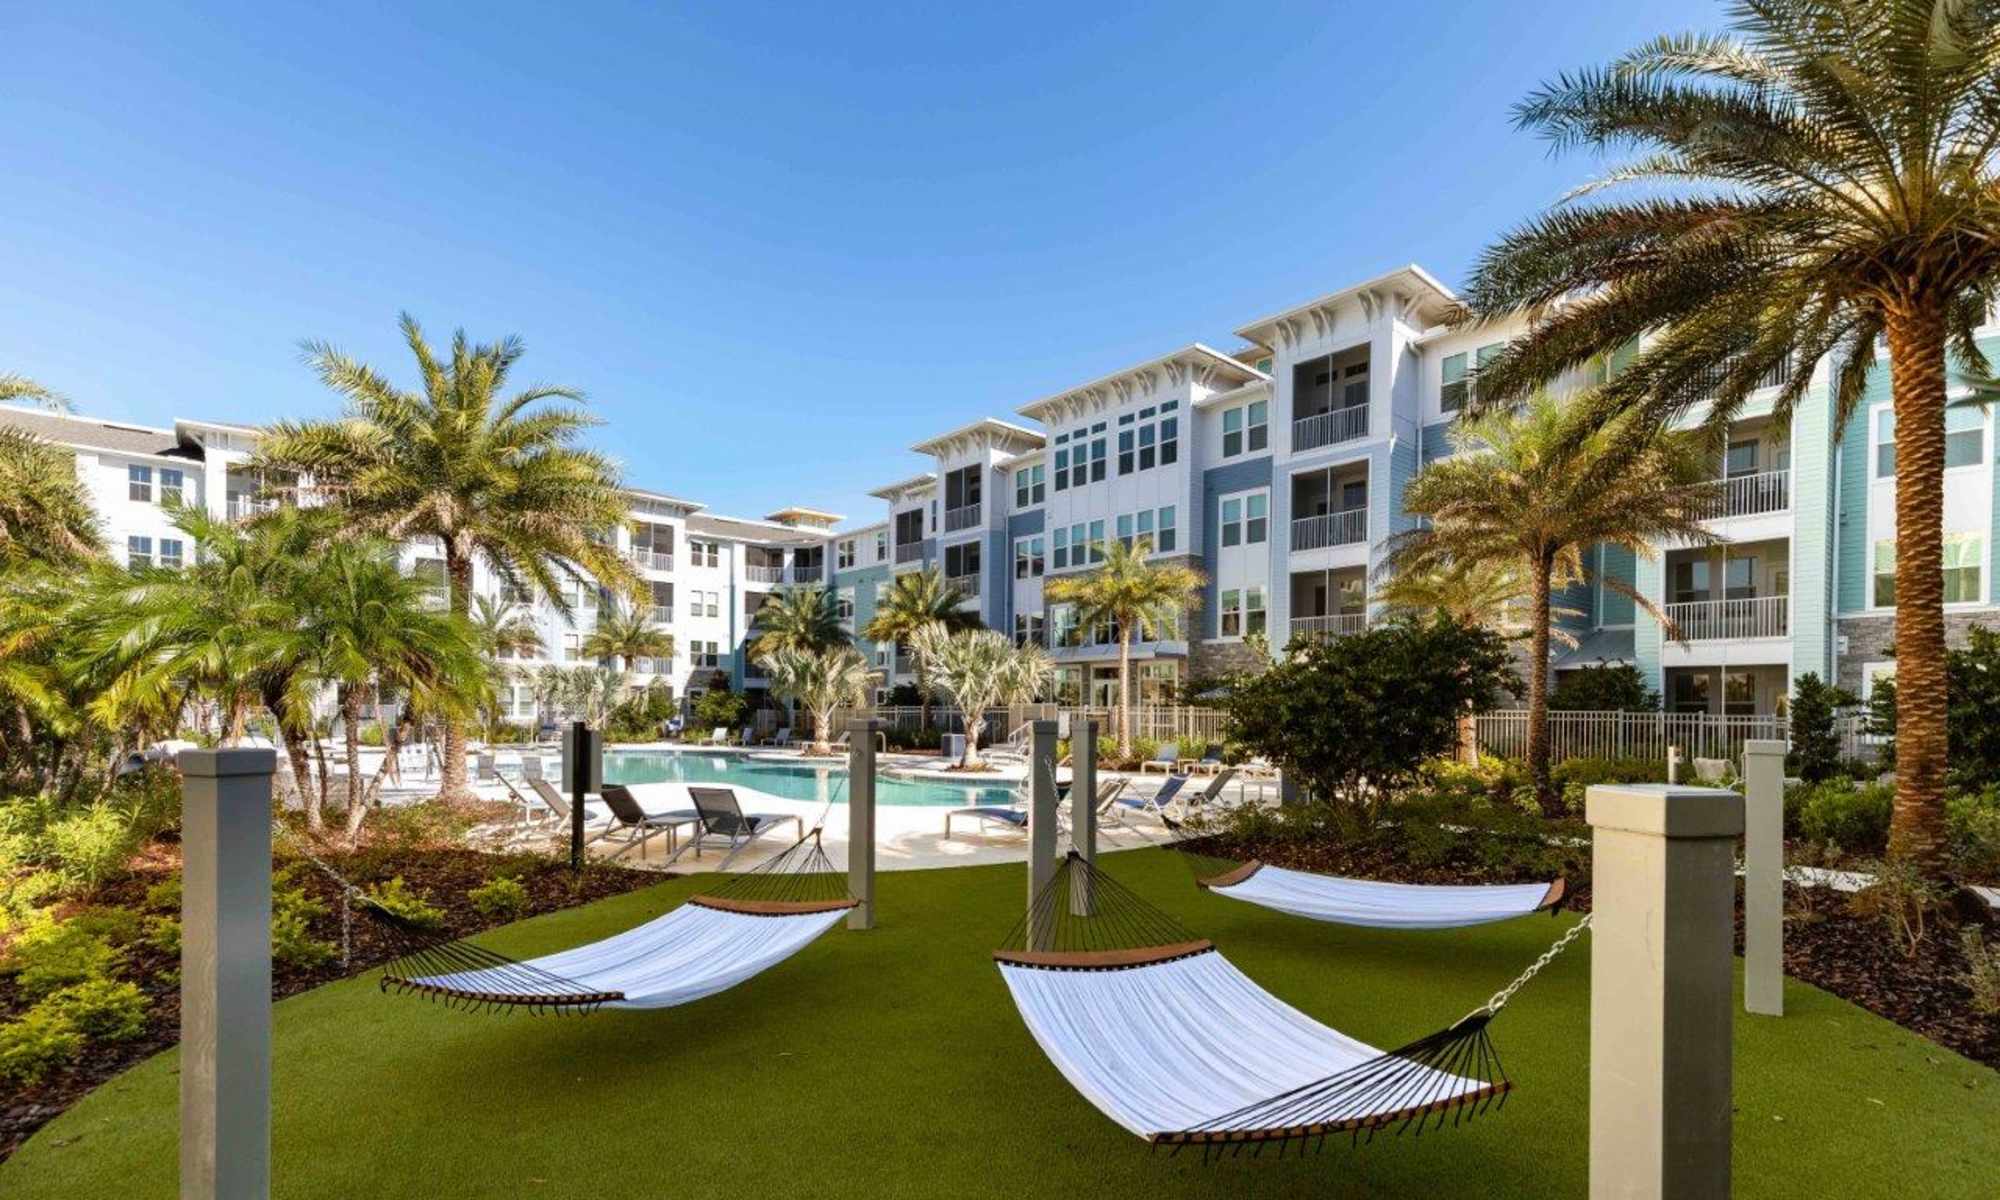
point(1180, 1047)
point(1382, 905)
point(703, 947)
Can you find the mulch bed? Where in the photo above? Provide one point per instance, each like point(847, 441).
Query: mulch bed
point(442, 875)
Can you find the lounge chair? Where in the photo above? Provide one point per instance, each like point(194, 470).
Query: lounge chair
point(781, 738)
point(748, 737)
point(1167, 758)
point(1108, 792)
point(593, 814)
point(1013, 814)
point(718, 736)
point(719, 815)
point(1154, 805)
point(1207, 763)
point(1210, 797)
point(630, 817)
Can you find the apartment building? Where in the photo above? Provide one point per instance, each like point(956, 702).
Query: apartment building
point(1277, 467)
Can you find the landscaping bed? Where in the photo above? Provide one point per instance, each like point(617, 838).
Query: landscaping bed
point(441, 877)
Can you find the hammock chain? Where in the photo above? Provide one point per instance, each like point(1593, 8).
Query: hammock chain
point(1499, 999)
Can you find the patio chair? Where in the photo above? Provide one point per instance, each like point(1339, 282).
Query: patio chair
point(1012, 815)
point(748, 737)
point(719, 815)
point(629, 817)
point(1207, 763)
point(1210, 796)
point(781, 738)
point(1154, 805)
point(1108, 792)
point(553, 800)
point(718, 736)
point(1167, 758)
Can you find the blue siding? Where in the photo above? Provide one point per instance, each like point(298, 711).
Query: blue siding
point(1621, 564)
point(863, 581)
point(1851, 588)
point(1026, 524)
point(996, 607)
point(1216, 482)
point(1403, 466)
point(1437, 441)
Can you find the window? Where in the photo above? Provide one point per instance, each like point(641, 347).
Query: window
point(1740, 460)
point(843, 555)
point(909, 528)
point(139, 550)
point(704, 554)
point(1028, 558)
point(1170, 441)
point(1690, 693)
point(1062, 628)
point(1165, 542)
point(707, 655)
point(1354, 386)
point(1264, 365)
point(1452, 396)
point(1148, 446)
point(1062, 462)
point(1253, 610)
point(1028, 630)
point(1144, 533)
point(962, 489)
point(1126, 460)
point(171, 482)
point(1885, 573)
point(1096, 542)
point(1739, 579)
point(1028, 486)
point(572, 647)
point(1232, 613)
point(1739, 694)
point(1060, 550)
point(1098, 445)
point(1964, 437)
point(961, 560)
point(1963, 553)
point(1125, 529)
point(1885, 443)
point(934, 516)
point(140, 485)
point(1077, 545)
point(1690, 580)
point(882, 545)
point(843, 604)
point(1232, 522)
point(1257, 525)
point(1257, 425)
point(1232, 433)
point(170, 553)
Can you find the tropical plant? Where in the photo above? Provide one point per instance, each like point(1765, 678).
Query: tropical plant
point(1136, 599)
point(1604, 687)
point(822, 681)
point(45, 512)
point(504, 629)
point(913, 602)
point(798, 618)
point(1823, 177)
point(1534, 489)
point(978, 669)
point(494, 478)
point(20, 387)
point(625, 632)
point(1815, 706)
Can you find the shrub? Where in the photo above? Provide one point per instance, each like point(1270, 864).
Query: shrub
point(36, 1044)
point(1815, 752)
point(1574, 777)
point(1982, 972)
point(719, 706)
point(118, 926)
point(1972, 709)
point(88, 847)
point(1906, 903)
point(1490, 780)
point(21, 898)
point(164, 896)
point(398, 900)
point(55, 954)
point(106, 1009)
point(163, 934)
point(500, 896)
point(430, 824)
point(293, 911)
point(1603, 688)
point(1855, 818)
point(1973, 819)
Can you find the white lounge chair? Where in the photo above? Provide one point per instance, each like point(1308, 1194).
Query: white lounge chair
point(1167, 758)
point(1155, 805)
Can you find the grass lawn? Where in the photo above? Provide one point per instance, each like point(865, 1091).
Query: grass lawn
point(892, 1064)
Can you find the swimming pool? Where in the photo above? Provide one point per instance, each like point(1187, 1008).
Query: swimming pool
point(815, 781)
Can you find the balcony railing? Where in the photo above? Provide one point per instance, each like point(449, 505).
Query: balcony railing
point(969, 584)
point(1330, 428)
point(909, 551)
point(1753, 617)
point(1753, 495)
point(1334, 529)
point(1332, 624)
point(652, 560)
point(956, 519)
point(906, 664)
point(243, 507)
point(661, 614)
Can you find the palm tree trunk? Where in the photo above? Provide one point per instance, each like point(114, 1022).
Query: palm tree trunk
point(923, 697)
point(458, 572)
point(970, 760)
point(1125, 689)
point(1538, 694)
point(350, 720)
point(1917, 385)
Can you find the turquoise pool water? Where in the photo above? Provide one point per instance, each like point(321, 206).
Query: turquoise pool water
point(815, 782)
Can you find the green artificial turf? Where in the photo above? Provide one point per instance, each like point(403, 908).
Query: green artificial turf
point(891, 1063)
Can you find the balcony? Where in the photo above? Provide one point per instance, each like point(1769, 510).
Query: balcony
point(661, 614)
point(909, 551)
point(1331, 625)
point(1333, 529)
point(1752, 495)
point(1330, 428)
point(764, 574)
point(651, 560)
point(242, 508)
point(968, 584)
point(966, 517)
point(906, 664)
point(1752, 617)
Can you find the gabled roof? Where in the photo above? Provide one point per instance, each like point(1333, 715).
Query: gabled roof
point(1192, 357)
point(1004, 434)
point(1418, 290)
point(92, 433)
point(896, 491)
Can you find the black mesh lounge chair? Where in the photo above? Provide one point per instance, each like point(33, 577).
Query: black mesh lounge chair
point(630, 818)
point(717, 814)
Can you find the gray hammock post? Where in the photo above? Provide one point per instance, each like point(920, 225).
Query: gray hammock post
point(1662, 989)
point(861, 734)
point(1764, 878)
point(226, 973)
point(583, 772)
point(1041, 828)
point(1083, 811)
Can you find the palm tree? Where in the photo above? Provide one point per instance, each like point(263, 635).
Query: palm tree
point(45, 513)
point(1137, 599)
point(822, 680)
point(20, 387)
point(1831, 178)
point(978, 669)
point(916, 600)
point(494, 478)
point(799, 618)
point(504, 631)
point(1533, 490)
point(626, 632)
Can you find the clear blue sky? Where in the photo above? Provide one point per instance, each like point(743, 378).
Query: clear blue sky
point(775, 245)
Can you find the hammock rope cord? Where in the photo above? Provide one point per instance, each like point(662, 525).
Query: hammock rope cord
point(1085, 921)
